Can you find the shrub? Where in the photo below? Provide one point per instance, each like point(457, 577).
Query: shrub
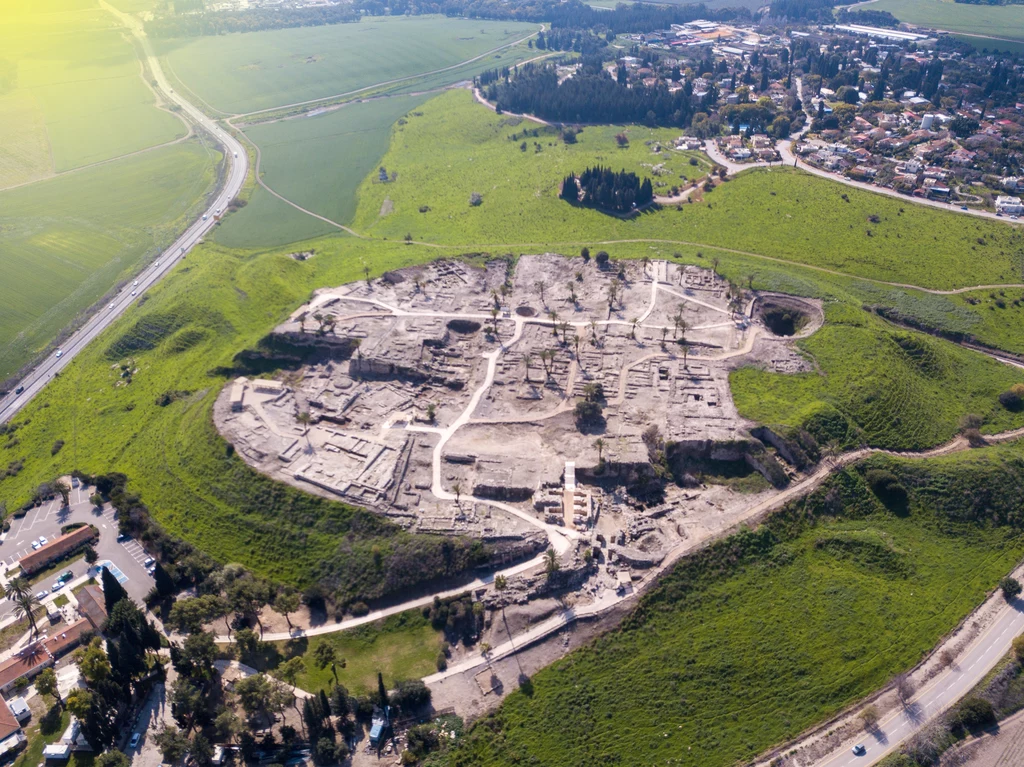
point(359, 609)
point(476, 199)
point(1018, 648)
point(1011, 400)
point(887, 487)
point(56, 447)
point(1010, 587)
point(602, 258)
point(973, 713)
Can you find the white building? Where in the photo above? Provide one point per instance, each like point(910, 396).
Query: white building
point(1010, 206)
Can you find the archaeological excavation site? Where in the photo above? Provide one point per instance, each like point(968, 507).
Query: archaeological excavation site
point(574, 404)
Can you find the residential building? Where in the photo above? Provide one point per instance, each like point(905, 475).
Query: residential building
point(56, 549)
point(1009, 206)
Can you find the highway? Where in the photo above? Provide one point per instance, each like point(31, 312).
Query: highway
point(937, 695)
point(237, 165)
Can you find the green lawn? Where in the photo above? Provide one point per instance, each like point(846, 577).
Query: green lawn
point(259, 70)
point(69, 240)
point(748, 643)
point(458, 147)
point(404, 646)
point(984, 20)
point(80, 91)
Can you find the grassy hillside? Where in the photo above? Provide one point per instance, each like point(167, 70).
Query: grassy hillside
point(78, 95)
point(457, 147)
point(258, 70)
point(69, 240)
point(879, 385)
point(714, 665)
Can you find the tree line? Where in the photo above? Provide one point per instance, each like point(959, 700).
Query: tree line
point(593, 97)
point(604, 188)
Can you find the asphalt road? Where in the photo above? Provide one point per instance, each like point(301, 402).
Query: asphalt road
point(237, 170)
point(938, 695)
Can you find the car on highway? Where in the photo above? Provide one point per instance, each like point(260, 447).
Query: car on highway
point(135, 292)
point(236, 154)
point(19, 390)
point(859, 750)
point(204, 217)
point(963, 207)
point(59, 353)
point(135, 284)
point(111, 305)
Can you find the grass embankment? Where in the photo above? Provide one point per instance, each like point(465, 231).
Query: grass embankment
point(879, 385)
point(457, 147)
point(77, 97)
point(403, 646)
point(748, 643)
point(69, 240)
point(266, 69)
point(217, 303)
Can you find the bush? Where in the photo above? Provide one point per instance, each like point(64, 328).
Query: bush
point(1010, 587)
point(411, 695)
point(1011, 400)
point(476, 199)
point(887, 487)
point(602, 258)
point(56, 447)
point(359, 609)
point(973, 713)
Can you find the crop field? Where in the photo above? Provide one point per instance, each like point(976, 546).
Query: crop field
point(68, 240)
point(458, 147)
point(78, 80)
point(294, 153)
point(404, 646)
point(746, 644)
point(1006, 21)
point(258, 70)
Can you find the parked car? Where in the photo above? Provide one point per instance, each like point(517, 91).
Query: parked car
point(136, 737)
point(57, 586)
point(35, 545)
point(42, 540)
point(42, 595)
point(149, 561)
point(123, 537)
point(66, 576)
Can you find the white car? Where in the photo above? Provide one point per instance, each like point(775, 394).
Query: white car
point(135, 284)
point(134, 292)
point(35, 545)
point(42, 595)
point(59, 353)
point(42, 540)
point(236, 154)
point(204, 217)
point(57, 586)
point(149, 561)
point(111, 306)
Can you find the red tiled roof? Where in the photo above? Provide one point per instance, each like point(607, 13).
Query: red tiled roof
point(92, 605)
point(67, 637)
point(30, 662)
point(8, 723)
point(56, 549)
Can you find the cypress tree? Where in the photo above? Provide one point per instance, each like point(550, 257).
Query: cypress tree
point(113, 592)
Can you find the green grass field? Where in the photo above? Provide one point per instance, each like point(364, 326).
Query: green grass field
point(68, 240)
point(751, 641)
point(404, 646)
point(78, 97)
point(984, 20)
point(879, 385)
point(457, 147)
point(349, 141)
point(259, 70)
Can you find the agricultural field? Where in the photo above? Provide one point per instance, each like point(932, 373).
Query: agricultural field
point(69, 240)
point(712, 668)
point(456, 147)
point(879, 385)
point(994, 21)
point(349, 141)
point(77, 97)
point(243, 73)
point(404, 646)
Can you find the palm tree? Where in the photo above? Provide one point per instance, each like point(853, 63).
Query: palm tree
point(553, 316)
point(24, 607)
point(305, 419)
point(64, 489)
point(551, 562)
point(632, 332)
point(593, 331)
point(686, 348)
point(714, 265)
point(494, 320)
point(527, 359)
point(599, 444)
point(664, 334)
point(16, 588)
point(540, 289)
point(572, 293)
point(457, 488)
point(576, 343)
point(646, 261)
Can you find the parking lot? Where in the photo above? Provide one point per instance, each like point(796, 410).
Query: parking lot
point(127, 556)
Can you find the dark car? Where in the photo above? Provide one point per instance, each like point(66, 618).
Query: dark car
point(859, 750)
